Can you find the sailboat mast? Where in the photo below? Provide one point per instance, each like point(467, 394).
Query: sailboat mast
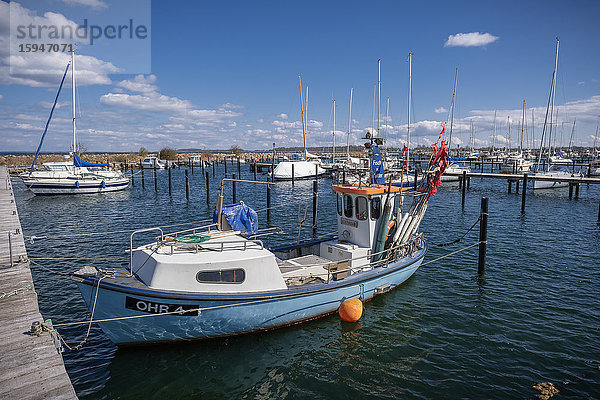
point(387, 115)
point(409, 100)
point(532, 130)
point(334, 131)
point(302, 113)
point(494, 137)
point(522, 129)
point(349, 127)
point(378, 93)
point(452, 115)
point(73, 101)
point(553, 94)
point(509, 143)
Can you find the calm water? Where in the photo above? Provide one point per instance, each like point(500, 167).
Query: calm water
point(443, 334)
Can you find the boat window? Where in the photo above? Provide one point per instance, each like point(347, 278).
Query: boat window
point(375, 207)
point(339, 204)
point(348, 206)
point(222, 276)
point(361, 208)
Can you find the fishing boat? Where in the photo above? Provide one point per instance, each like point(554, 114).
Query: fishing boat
point(76, 175)
point(220, 280)
point(305, 168)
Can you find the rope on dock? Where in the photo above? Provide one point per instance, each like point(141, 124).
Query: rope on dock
point(21, 290)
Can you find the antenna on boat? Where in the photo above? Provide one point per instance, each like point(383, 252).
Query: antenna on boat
point(452, 115)
point(378, 93)
point(302, 113)
point(349, 128)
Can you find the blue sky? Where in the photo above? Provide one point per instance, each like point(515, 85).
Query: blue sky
point(226, 73)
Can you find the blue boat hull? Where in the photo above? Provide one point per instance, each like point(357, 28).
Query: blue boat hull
point(228, 314)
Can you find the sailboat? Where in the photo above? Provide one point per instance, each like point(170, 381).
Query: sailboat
point(516, 163)
point(454, 167)
point(306, 168)
point(554, 171)
point(76, 175)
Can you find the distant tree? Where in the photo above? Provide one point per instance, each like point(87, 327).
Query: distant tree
point(167, 154)
point(142, 152)
point(236, 150)
point(207, 154)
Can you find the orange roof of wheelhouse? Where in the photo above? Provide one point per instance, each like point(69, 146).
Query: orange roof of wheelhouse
point(365, 190)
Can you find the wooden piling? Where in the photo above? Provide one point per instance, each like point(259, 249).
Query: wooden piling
point(239, 165)
point(570, 190)
point(254, 170)
point(234, 189)
point(155, 180)
point(524, 193)
point(482, 236)
point(464, 187)
point(213, 165)
point(517, 184)
point(143, 180)
point(273, 168)
point(315, 206)
point(292, 174)
point(187, 185)
point(268, 202)
point(225, 164)
point(469, 183)
point(416, 176)
point(509, 186)
point(207, 189)
point(170, 187)
point(316, 172)
point(576, 190)
point(132, 178)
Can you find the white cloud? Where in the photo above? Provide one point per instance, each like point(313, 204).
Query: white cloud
point(43, 69)
point(441, 110)
point(97, 4)
point(471, 39)
point(140, 84)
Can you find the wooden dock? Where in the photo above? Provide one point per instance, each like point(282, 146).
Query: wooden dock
point(30, 366)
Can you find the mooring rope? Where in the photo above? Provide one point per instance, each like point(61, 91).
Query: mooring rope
point(21, 290)
point(460, 238)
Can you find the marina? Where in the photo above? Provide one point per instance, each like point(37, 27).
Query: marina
point(191, 226)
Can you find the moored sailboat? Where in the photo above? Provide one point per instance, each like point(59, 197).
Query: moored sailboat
point(75, 176)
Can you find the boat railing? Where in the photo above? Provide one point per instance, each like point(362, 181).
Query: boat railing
point(131, 243)
point(195, 230)
point(390, 254)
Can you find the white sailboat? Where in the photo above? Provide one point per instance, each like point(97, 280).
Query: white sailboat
point(516, 163)
point(454, 167)
point(554, 171)
point(307, 168)
point(74, 176)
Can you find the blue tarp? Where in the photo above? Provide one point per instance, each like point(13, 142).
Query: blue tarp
point(78, 162)
point(450, 158)
point(240, 217)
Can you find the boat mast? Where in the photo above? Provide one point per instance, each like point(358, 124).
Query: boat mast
point(544, 129)
point(349, 127)
point(73, 101)
point(572, 133)
point(532, 130)
point(522, 129)
point(452, 115)
point(494, 136)
point(333, 131)
point(472, 139)
point(378, 93)
point(387, 114)
point(302, 113)
point(552, 108)
point(409, 100)
point(508, 123)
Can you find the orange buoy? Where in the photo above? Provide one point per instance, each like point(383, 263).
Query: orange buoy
point(351, 310)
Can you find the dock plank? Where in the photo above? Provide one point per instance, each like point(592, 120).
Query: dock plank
point(30, 366)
